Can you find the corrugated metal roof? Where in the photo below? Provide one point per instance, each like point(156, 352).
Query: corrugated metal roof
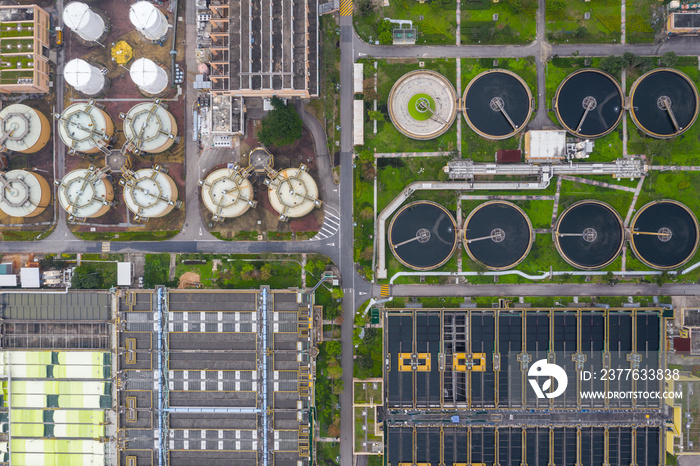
point(123, 273)
point(29, 277)
point(76, 305)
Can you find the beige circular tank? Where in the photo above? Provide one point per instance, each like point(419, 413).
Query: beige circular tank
point(85, 128)
point(149, 127)
point(227, 194)
point(149, 193)
point(23, 129)
point(85, 193)
point(293, 193)
point(23, 193)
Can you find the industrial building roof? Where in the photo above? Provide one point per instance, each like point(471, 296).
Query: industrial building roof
point(29, 277)
point(123, 273)
point(75, 305)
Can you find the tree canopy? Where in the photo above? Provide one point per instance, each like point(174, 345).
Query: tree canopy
point(282, 125)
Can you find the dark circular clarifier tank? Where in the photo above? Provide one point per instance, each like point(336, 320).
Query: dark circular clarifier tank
point(497, 234)
point(423, 235)
point(589, 235)
point(664, 234)
point(664, 103)
point(497, 104)
point(589, 103)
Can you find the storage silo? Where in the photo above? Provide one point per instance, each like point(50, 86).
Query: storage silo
point(23, 129)
point(84, 127)
point(149, 193)
point(149, 127)
point(293, 193)
point(227, 193)
point(84, 77)
point(83, 21)
point(23, 193)
point(85, 193)
point(148, 20)
point(150, 77)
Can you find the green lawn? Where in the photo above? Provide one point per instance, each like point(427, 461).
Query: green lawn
point(511, 27)
point(644, 20)
point(366, 392)
point(566, 23)
point(125, 235)
point(435, 21)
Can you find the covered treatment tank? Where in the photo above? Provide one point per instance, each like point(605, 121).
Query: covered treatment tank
point(149, 127)
point(23, 193)
point(293, 193)
point(83, 21)
point(23, 129)
point(84, 77)
point(150, 77)
point(226, 193)
point(85, 193)
point(84, 127)
point(149, 193)
point(148, 20)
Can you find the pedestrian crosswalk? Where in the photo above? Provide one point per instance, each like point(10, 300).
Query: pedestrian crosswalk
point(106, 246)
point(384, 291)
point(345, 7)
point(330, 226)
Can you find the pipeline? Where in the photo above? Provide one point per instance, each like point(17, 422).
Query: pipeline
point(213, 410)
point(173, 52)
point(161, 408)
point(264, 366)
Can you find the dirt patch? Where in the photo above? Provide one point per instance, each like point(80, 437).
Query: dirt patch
point(189, 280)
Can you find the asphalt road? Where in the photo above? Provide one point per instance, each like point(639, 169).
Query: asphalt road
point(547, 289)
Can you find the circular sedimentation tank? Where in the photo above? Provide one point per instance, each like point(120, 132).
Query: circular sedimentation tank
point(589, 235)
point(227, 194)
point(85, 193)
point(150, 128)
point(589, 103)
point(422, 104)
point(23, 193)
point(83, 127)
point(497, 104)
point(423, 235)
point(293, 193)
point(149, 193)
point(23, 129)
point(498, 234)
point(664, 103)
point(664, 234)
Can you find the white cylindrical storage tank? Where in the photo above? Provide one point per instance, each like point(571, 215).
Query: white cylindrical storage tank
point(293, 193)
point(23, 129)
point(149, 127)
point(148, 20)
point(85, 193)
point(150, 77)
point(23, 193)
point(84, 77)
point(227, 194)
point(83, 21)
point(83, 127)
point(149, 193)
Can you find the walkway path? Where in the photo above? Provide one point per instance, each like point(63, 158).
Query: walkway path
point(602, 184)
point(628, 218)
point(555, 209)
point(479, 197)
point(411, 154)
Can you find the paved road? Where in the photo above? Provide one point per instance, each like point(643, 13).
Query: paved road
point(547, 289)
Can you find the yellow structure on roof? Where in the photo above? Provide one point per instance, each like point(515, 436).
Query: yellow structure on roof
point(122, 52)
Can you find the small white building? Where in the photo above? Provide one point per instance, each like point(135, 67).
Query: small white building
point(545, 146)
point(123, 273)
point(29, 277)
point(8, 280)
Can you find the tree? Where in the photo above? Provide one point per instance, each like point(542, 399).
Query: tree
point(335, 372)
point(84, 279)
point(266, 272)
point(334, 349)
point(368, 171)
point(629, 59)
point(367, 213)
point(658, 148)
point(581, 31)
point(337, 293)
point(247, 271)
point(367, 253)
point(282, 125)
point(373, 115)
point(662, 278)
point(668, 59)
point(385, 32)
point(611, 64)
point(364, 7)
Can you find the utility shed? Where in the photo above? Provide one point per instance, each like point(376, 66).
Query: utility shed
point(29, 277)
point(358, 122)
point(123, 273)
point(75, 305)
point(545, 146)
point(8, 280)
point(508, 156)
point(358, 69)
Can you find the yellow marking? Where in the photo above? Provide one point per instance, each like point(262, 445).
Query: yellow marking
point(131, 409)
point(345, 7)
point(459, 362)
point(106, 246)
point(131, 350)
point(130, 461)
point(384, 291)
point(420, 363)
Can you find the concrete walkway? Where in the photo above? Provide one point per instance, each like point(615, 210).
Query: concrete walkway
point(602, 184)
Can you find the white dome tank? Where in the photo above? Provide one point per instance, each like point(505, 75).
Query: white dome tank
point(23, 193)
point(85, 128)
point(150, 77)
point(227, 194)
point(83, 21)
point(149, 127)
point(293, 193)
point(148, 20)
point(23, 129)
point(84, 77)
point(149, 193)
point(85, 193)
